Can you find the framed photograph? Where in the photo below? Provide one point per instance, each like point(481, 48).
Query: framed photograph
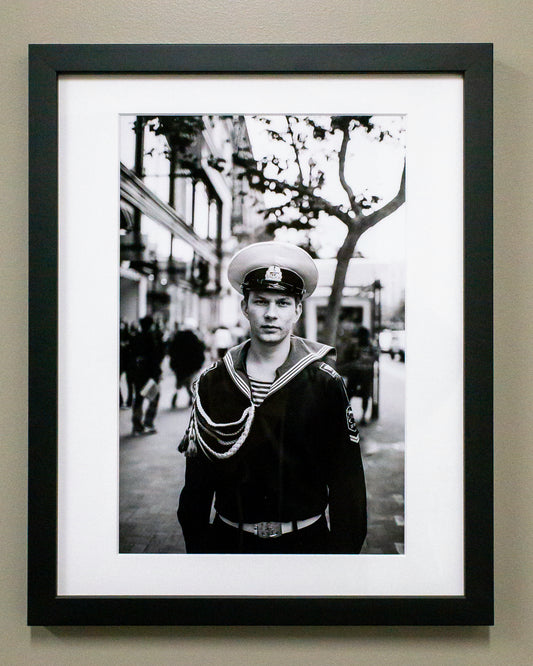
point(153, 446)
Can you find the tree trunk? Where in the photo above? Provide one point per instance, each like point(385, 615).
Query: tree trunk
point(344, 255)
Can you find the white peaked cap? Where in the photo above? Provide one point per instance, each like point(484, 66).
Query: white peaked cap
point(285, 256)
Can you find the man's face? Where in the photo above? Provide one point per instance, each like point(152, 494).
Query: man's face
point(271, 315)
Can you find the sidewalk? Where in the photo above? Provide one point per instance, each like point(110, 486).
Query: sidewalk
point(151, 478)
point(383, 449)
point(383, 464)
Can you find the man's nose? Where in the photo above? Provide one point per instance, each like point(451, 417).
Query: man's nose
point(272, 311)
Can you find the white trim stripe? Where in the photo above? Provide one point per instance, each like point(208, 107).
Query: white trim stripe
point(281, 381)
point(304, 362)
point(228, 362)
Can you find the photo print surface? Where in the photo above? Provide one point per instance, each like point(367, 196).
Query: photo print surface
point(194, 190)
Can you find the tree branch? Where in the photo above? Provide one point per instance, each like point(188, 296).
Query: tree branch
point(281, 207)
point(370, 220)
point(280, 186)
point(296, 152)
point(342, 163)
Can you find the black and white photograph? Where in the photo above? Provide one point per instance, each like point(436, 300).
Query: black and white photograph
point(262, 334)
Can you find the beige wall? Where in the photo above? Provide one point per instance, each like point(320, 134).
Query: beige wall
point(507, 23)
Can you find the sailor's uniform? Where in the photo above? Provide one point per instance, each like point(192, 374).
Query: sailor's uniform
point(287, 462)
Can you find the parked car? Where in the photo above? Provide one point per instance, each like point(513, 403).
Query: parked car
point(392, 342)
point(385, 339)
point(397, 346)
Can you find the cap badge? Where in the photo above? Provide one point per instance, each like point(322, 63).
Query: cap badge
point(273, 274)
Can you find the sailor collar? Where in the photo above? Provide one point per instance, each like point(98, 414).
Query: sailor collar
point(229, 437)
point(301, 354)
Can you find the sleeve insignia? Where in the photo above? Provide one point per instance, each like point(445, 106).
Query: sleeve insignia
point(329, 370)
point(352, 425)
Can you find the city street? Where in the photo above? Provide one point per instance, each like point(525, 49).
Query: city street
point(151, 471)
point(383, 449)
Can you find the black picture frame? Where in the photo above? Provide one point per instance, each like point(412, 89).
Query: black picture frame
point(46, 64)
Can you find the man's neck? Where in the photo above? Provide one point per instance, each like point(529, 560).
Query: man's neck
point(263, 360)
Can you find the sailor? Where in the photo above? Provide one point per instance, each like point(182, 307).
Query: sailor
point(272, 438)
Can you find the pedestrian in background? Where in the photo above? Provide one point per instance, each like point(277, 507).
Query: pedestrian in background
point(359, 371)
point(222, 341)
point(147, 355)
point(125, 365)
point(272, 437)
point(187, 354)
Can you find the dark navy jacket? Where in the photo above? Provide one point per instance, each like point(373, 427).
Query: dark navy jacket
point(300, 455)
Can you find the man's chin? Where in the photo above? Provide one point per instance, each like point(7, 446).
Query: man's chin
point(275, 337)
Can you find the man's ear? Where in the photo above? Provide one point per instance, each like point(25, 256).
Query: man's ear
point(244, 307)
point(299, 308)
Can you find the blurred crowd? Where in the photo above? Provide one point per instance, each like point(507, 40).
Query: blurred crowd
point(143, 348)
point(145, 344)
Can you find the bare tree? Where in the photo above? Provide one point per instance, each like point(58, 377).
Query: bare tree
point(296, 175)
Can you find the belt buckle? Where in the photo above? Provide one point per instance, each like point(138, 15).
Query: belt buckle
point(268, 530)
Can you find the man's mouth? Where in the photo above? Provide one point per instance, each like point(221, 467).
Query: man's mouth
point(270, 328)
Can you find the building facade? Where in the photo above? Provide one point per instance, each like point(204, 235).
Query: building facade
point(182, 211)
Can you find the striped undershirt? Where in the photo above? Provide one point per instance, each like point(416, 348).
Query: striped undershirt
point(259, 390)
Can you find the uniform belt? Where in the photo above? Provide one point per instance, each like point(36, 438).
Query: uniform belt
point(271, 529)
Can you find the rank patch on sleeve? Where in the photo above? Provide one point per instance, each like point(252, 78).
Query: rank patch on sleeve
point(352, 425)
point(329, 370)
